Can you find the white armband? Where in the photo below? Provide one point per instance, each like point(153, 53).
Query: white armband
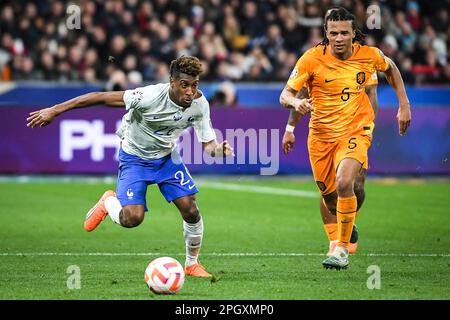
point(289, 128)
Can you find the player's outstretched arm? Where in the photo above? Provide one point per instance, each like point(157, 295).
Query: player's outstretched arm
point(394, 78)
point(45, 116)
point(215, 149)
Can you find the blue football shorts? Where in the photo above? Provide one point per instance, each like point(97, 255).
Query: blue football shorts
point(136, 174)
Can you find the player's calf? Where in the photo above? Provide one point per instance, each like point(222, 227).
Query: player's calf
point(360, 195)
point(359, 188)
point(330, 202)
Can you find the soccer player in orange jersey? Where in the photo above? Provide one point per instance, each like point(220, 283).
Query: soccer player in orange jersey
point(329, 219)
point(336, 73)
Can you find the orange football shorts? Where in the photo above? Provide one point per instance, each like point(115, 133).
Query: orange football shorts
point(326, 156)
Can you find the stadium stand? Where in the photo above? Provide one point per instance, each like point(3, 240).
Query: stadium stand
point(126, 42)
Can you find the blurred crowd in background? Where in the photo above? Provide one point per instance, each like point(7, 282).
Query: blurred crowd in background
point(126, 42)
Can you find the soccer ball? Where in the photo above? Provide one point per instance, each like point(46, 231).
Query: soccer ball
point(164, 275)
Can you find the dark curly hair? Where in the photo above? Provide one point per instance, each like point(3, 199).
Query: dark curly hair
point(341, 14)
point(185, 64)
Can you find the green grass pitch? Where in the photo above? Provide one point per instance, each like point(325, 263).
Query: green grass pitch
point(257, 245)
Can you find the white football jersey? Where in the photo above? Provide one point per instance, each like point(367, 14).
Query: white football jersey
point(153, 122)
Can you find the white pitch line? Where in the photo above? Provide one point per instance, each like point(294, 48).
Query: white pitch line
point(200, 182)
point(216, 254)
point(258, 189)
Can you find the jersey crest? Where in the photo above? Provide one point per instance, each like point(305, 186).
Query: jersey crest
point(360, 77)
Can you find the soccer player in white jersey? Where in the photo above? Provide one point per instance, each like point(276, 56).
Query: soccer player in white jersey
point(156, 117)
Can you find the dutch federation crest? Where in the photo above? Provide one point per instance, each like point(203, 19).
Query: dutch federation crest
point(360, 77)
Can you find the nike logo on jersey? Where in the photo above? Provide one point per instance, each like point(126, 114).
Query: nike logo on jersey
point(326, 81)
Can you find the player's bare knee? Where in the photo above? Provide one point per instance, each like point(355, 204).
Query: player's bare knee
point(131, 221)
point(191, 214)
point(344, 186)
point(131, 218)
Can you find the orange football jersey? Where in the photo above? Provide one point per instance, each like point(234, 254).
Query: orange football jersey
point(341, 106)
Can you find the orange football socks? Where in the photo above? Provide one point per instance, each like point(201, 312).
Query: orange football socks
point(346, 213)
point(331, 231)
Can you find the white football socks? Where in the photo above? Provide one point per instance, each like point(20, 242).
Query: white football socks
point(193, 235)
point(113, 207)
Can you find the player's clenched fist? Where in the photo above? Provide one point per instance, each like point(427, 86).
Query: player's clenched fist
point(404, 118)
point(224, 149)
point(288, 142)
point(303, 106)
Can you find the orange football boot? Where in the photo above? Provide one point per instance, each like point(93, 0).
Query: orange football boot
point(97, 213)
point(196, 270)
point(352, 247)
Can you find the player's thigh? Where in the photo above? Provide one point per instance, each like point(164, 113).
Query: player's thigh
point(351, 158)
point(353, 147)
point(131, 186)
point(175, 181)
point(321, 155)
